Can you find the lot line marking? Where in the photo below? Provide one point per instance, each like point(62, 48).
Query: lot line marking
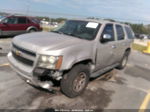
point(145, 103)
point(5, 40)
point(6, 64)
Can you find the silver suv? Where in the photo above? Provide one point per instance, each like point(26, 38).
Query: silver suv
point(71, 54)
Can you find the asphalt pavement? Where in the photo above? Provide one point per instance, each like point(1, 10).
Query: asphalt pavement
point(127, 89)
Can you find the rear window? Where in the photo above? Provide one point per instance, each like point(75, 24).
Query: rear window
point(120, 32)
point(129, 32)
point(34, 20)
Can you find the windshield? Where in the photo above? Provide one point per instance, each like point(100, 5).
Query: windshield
point(1, 17)
point(80, 29)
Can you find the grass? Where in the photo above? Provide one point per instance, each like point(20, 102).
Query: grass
point(138, 47)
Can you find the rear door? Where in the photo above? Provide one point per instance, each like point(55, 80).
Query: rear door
point(121, 43)
point(106, 49)
point(22, 25)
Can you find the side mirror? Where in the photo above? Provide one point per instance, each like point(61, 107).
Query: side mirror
point(107, 37)
point(4, 23)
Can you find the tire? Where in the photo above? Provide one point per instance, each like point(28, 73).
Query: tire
point(124, 61)
point(75, 81)
point(31, 31)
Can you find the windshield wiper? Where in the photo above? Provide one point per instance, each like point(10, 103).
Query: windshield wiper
point(73, 35)
point(57, 32)
point(70, 34)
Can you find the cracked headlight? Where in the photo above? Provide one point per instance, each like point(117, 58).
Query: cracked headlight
point(50, 62)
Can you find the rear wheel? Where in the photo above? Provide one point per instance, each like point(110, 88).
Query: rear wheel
point(124, 60)
point(75, 81)
point(32, 30)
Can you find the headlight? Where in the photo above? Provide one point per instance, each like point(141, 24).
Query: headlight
point(52, 59)
point(50, 62)
point(44, 58)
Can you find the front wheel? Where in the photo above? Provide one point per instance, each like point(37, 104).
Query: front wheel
point(75, 81)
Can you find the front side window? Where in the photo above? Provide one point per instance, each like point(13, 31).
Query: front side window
point(10, 20)
point(120, 32)
point(108, 32)
point(80, 29)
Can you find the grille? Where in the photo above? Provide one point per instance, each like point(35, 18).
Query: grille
point(26, 57)
point(24, 51)
point(23, 60)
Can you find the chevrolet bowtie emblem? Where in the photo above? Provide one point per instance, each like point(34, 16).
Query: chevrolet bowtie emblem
point(18, 53)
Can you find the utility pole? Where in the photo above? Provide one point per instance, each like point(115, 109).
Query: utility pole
point(28, 7)
point(50, 20)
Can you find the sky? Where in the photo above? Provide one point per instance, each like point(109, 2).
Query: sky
point(136, 11)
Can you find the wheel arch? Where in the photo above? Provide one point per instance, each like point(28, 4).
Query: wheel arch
point(0, 32)
point(128, 50)
point(88, 62)
point(31, 27)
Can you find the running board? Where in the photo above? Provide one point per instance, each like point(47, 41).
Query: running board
point(102, 71)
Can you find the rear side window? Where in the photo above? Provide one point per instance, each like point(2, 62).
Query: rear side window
point(22, 20)
point(129, 32)
point(120, 32)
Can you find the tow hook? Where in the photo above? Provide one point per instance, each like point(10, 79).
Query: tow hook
point(46, 85)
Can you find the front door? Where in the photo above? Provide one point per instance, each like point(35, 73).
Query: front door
point(14, 25)
point(106, 48)
point(8, 26)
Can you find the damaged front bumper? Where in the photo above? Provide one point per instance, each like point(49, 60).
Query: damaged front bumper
point(32, 75)
point(33, 80)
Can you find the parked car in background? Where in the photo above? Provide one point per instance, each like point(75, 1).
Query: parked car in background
point(1, 17)
point(137, 36)
point(14, 25)
point(148, 36)
point(143, 36)
point(43, 22)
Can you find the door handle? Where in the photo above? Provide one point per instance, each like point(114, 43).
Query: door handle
point(113, 46)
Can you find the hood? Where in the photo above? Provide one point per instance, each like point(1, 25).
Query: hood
point(45, 41)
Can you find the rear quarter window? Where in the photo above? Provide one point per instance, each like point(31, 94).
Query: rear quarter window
point(129, 32)
point(34, 20)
